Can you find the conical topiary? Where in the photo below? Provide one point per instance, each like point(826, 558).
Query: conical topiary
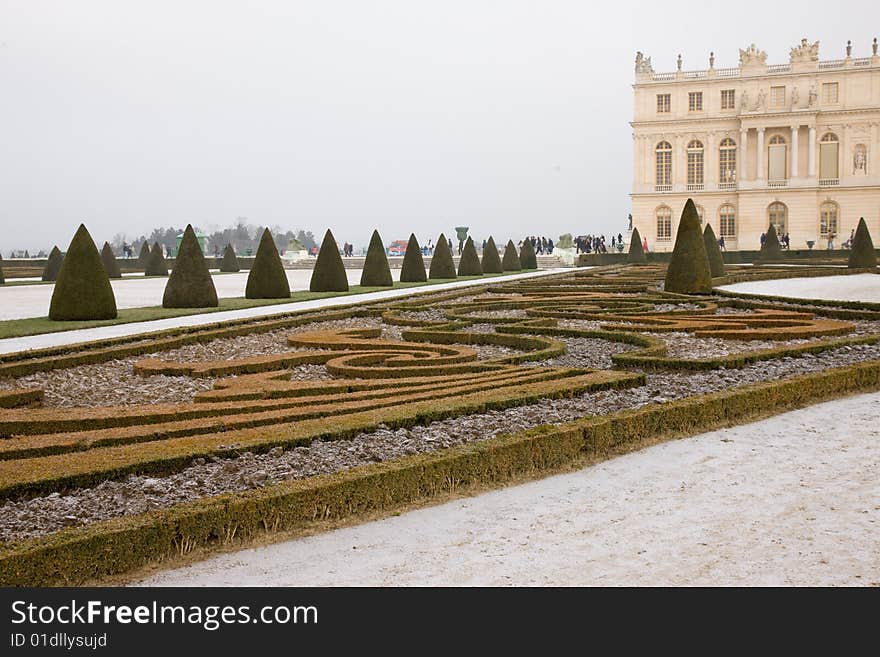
point(469, 263)
point(83, 289)
point(267, 278)
point(329, 272)
point(713, 252)
point(413, 268)
point(144, 256)
point(190, 284)
point(770, 249)
point(491, 263)
point(109, 260)
point(862, 255)
point(688, 271)
point(527, 258)
point(376, 272)
point(510, 261)
point(636, 253)
point(53, 265)
point(2, 277)
point(442, 265)
point(230, 260)
point(156, 265)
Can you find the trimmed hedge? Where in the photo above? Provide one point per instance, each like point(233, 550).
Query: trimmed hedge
point(2, 277)
point(636, 253)
point(376, 272)
point(862, 255)
point(442, 264)
point(688, 271)
point(156, 264)
point(83, 289)
point(469, 263)
point(53, 265)
point(111, 266)
point(190, 284)
point(267, 278)
point(527, 257)
point(413, 268)
point(771, 249)
point(229, 263)
point(491, 263)
point(510, 261)
point(713, 252)
point(144, 256)
point(329, 272)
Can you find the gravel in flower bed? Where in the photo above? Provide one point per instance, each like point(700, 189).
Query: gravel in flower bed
point(591, 353)
point(424, 315)
point(501, 314)
point(670, 307)
point(686, 345)
point(25, 518)
point(480, 328)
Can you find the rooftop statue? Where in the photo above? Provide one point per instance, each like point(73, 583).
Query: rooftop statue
point(752, 56)
point(806, 52)
point(643, 64)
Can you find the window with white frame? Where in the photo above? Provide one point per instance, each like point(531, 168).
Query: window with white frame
point(695, 163)
point(664, 103)
point(829, 213)
point(776, 160)
point(829, 93)
point(829, 157)
point(777, 96)
point(727, 161)
point(777, 216)
point(664, 224)
point(727, 221)
point(728, 99)
point(695, 101)
point(664, 163)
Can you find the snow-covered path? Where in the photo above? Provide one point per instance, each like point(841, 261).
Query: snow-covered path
point(792, 500)
point(857, 287)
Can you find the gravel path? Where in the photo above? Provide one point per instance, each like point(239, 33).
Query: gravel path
point(857, 287)
point(694, 512)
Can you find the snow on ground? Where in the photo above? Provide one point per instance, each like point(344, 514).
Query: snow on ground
point(792, 500)
point(11, 345)
point(858, 287)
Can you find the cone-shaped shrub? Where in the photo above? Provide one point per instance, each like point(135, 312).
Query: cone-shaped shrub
point(82, 290)
point(688, 271)
point(376, 272)
point(267, 278)
point(230, 260)
point(510, 261)
point(469, 263)
point(491, 263)
point(713, 252)
point(413, 269)
point(771, 249)
point(53, 265)
point(156, 265)
point(329, 272)
point(190, 284)
point(144, 256)
point(636, 249)
point(2, 277)
point(109, 260)
point(442, 265)
point(527, 258)
point(862, 254)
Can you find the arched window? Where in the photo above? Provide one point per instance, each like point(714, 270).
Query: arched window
point(695, 165)
point(777, 215)
point(699, 212)
point(664, 224)
point(776, 169)
point(727, 161)
point(829, 152)
point(829, 215)
point(727, 221)
point(664, 164)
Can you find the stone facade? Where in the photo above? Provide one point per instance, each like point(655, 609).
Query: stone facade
point(797, 144)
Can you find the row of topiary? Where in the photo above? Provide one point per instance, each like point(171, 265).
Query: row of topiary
point(82, 277)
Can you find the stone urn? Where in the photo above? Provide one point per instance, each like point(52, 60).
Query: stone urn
point(461, 232)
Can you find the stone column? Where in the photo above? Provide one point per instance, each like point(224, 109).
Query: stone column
point(794, 151)
point(759, 174)
point(812, 163)
point(743, 153)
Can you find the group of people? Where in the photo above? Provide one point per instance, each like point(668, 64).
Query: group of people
point(541, 245)
point(784, 240)
point(596, 243)
point(347, 250)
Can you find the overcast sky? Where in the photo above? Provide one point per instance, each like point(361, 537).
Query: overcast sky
point(510, 117)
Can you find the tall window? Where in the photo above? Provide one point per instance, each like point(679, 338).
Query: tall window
point(695, 101)
point(727, 161)
point(828, 157)
point(728, 99)
point(777, 214)
point(776, 160)
point(828, 219)
point(664, 224)
point(664, 103)
point(664, 163)
point(695, 164)
point(777, 96)
point(727, 223)
point(829, 93)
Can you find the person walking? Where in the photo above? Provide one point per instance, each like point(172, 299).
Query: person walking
point(645, 244)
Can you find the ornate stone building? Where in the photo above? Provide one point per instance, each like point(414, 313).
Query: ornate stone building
point(796, 145)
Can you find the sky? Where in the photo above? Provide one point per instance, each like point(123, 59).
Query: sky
point(510, 117)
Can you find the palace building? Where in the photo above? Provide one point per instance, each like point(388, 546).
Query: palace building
point(796, 145)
